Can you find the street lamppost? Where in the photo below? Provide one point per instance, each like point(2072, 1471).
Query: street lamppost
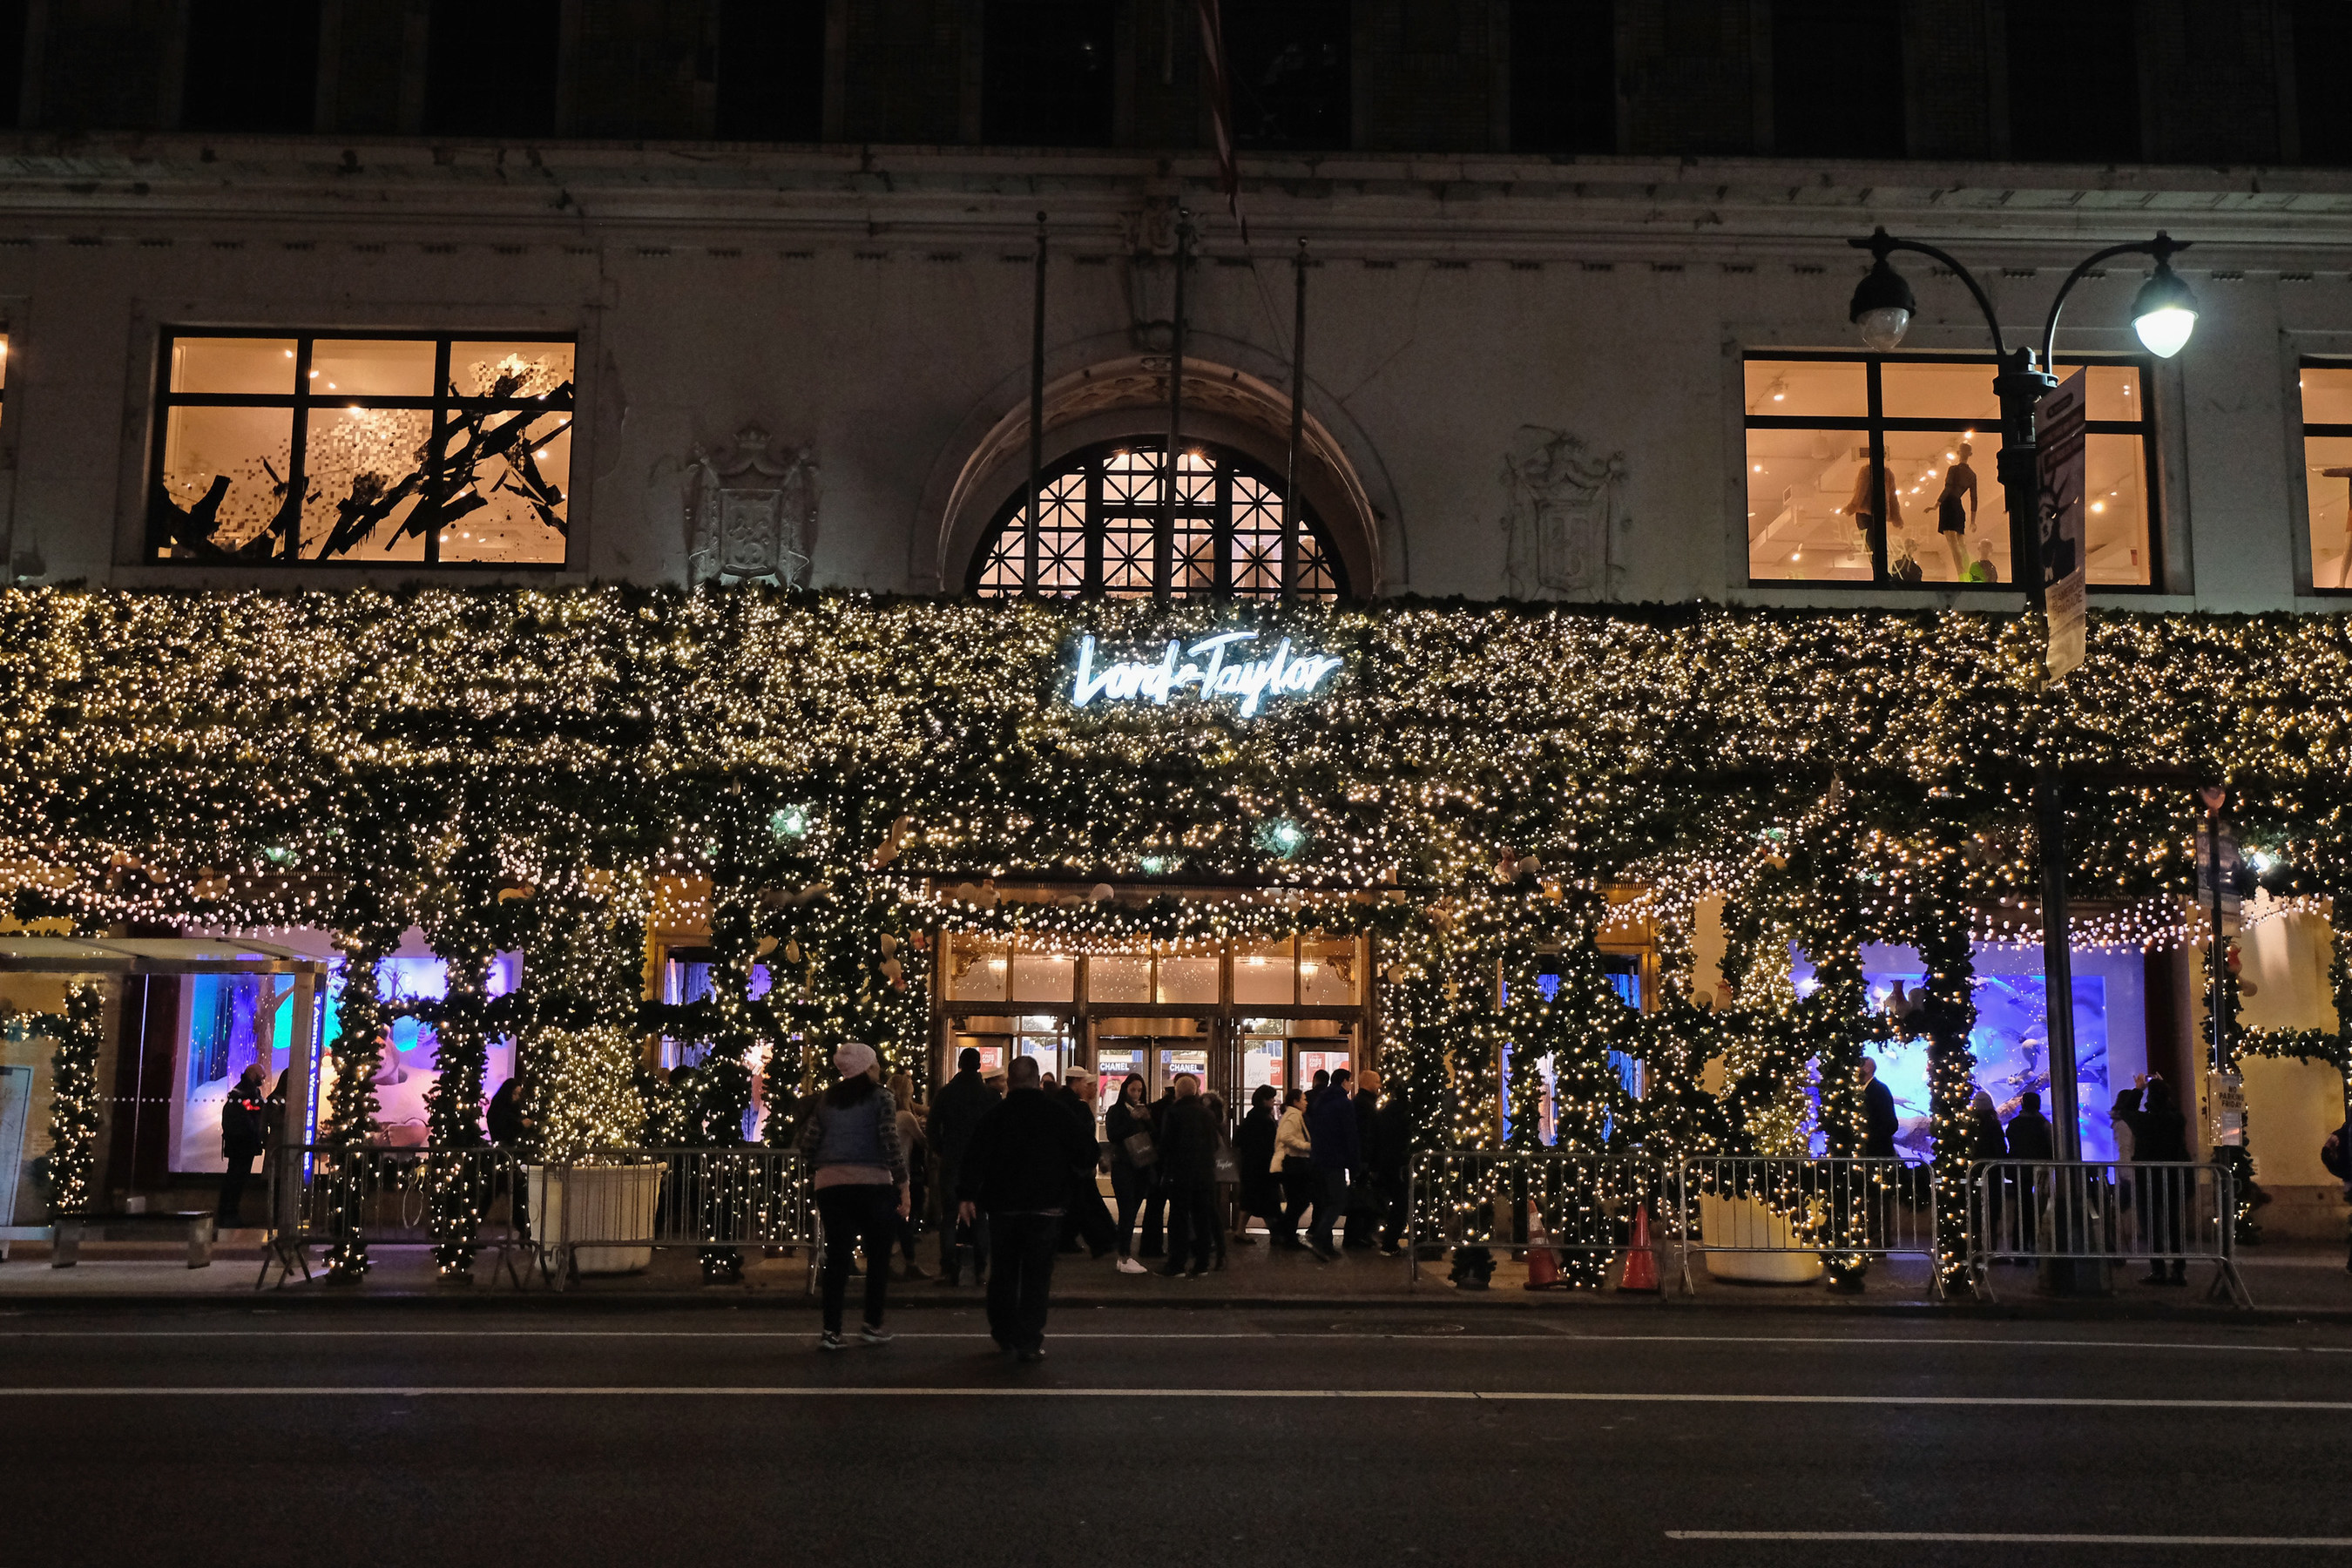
point(2164, 314)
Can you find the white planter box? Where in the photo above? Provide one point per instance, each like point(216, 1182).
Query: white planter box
point(1744, 1222)
point(578, 1206)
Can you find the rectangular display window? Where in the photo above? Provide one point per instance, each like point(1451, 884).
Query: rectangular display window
point(353, 449)
point(2326, 387)
point(1882, 470)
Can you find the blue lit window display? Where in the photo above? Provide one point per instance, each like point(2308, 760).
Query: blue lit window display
point(2012, 1038)
point(1624, 972)
point(232, 1020)
point(686, 979)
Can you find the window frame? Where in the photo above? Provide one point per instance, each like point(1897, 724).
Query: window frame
point(1167, 560)
point(2307, 569)
point(1877, 423)
point(302, 401)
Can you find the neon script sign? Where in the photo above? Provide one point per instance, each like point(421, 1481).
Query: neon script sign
point(1208, 669)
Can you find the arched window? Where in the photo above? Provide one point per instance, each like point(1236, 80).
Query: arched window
point(1098, 531)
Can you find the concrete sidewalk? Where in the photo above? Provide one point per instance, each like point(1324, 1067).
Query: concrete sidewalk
point(2283, 1281)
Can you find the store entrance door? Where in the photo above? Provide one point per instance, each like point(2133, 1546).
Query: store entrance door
point(1274, 1052)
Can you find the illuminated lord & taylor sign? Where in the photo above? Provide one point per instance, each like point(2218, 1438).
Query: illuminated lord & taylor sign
point(1209, 668)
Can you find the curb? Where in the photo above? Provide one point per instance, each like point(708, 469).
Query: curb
point(1515, 1303)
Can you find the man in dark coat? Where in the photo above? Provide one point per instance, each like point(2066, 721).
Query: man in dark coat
point(2160, 1135)
point(956, 1110)
point(2029, 1130)
point(1188, 1172)
point(2029, 1138)
point(1338, 1153)
point(1017, 1169)
point(1879, 1122)
point(243, 1134)
point(1254, 1151)
point(1087, 1218)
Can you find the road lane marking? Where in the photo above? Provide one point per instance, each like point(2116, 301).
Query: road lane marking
point(2007, 1539)
point(1501, 1396)
point(1548, 1337)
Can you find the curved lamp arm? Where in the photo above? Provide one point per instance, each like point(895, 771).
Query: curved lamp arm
point(2163, 248)
point(1881, 245)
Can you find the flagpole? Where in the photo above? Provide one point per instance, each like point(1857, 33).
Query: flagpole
point(1298, 429)
point(1037, 419)
point(1163, 566)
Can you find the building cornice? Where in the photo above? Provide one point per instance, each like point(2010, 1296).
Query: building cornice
point(1465, 207)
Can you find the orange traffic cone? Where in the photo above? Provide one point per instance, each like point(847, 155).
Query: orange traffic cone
point(1543, 1263)
point(1641, 1263)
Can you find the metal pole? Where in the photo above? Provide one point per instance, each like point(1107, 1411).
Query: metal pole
point(293, 1131)
point(1036, 417)
point(2058, 965)
point(1163, 550)
point(1297, 430)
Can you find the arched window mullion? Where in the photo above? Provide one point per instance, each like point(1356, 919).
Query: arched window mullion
point(1070, 541)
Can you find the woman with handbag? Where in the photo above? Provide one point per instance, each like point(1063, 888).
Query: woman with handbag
point(1133, 1153)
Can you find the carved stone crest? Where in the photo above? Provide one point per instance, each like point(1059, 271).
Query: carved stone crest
point(1563, 500)
point(750, 513)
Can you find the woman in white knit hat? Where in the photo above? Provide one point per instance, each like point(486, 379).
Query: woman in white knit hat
point(851, 1140)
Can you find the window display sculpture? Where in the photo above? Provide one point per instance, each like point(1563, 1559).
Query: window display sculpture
point(750, 515)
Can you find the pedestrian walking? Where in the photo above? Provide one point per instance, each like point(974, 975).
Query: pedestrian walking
point(1294, 1162)
point(244, 1135)
point(956, 1109)
point(1134, 1154)
point(851, 1141)
point(1088, 1220)
point(1187, 1170)
point(1337, 1155)
point(919, 1170)
point(1989, 1145)
point(1261, 1188)
point(1017, 1170)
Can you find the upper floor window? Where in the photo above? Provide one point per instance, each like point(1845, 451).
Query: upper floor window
point(1286, 61)
point(1046, 73)
point(2327, 471)
point(333, 448)
point(1871, 469)
point(1098, 531)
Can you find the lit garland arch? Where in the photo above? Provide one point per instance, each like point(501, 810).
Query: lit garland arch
point(533, 767)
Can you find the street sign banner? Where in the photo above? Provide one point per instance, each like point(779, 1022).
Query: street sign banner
point(2229, 874)
point(2059, 427)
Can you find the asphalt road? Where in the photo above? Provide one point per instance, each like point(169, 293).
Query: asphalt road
point(523, 1438)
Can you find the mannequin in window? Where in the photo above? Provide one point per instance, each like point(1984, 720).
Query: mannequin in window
point(1864, 507)
point(1981, 569)
point(1955, 510)
point(2344, 561)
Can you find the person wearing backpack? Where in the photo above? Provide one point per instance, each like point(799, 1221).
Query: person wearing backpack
point(851, 1141)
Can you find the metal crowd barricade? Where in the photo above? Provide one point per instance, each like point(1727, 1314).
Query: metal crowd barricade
point(1830, 1206)
point(607, 1212)
point(2171, 1213)
point(1496, 1198)
point(422, 1197)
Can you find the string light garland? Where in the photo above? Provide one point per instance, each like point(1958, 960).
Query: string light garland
point(520, 770)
